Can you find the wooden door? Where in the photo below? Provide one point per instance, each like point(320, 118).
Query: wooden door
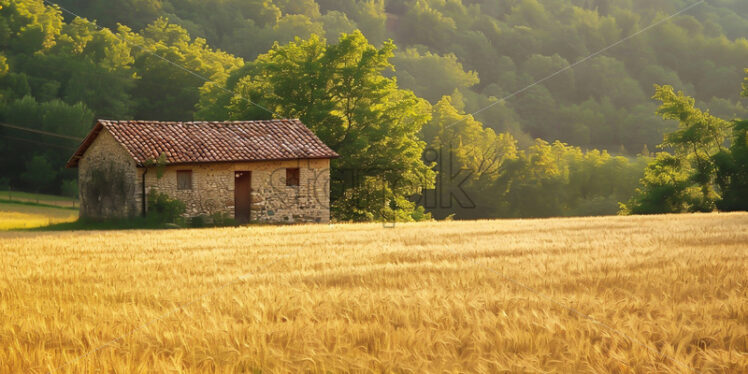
point(242, 196)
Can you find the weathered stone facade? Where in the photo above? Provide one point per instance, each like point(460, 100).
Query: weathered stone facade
point(107, 177)
point(111, 186)
point(271, 200)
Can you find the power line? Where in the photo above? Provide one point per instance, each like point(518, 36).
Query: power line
point(145, 49)
point(40, 143)
point(572, 66)
point(15, 127)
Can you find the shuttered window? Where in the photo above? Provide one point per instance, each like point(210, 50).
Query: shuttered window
point(184, 179)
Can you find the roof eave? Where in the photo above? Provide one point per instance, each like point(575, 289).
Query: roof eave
point(103, 124)
point(73, 161)
point(141, 165)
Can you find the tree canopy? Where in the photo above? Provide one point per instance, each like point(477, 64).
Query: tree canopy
point(340, 91)
point(704, 172)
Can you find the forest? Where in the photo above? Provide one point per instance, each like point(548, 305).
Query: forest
point(434, 105)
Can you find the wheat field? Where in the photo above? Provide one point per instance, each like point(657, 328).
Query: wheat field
point(659, 294)
point(21, 216)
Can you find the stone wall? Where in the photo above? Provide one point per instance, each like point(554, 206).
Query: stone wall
point(272, 201)
point(107, 177)
point(111, 186)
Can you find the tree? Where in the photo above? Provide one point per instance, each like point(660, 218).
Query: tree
point(528, 12)
point(422, 24)
point(166, 91)
point(698, 138)
point(469, 158)
point(3, 65)
point(532, 185)
point(477, 148)
point(702, 174)
point(337, 23)
point(732, 170)
point(431, 76)
point(38, 174)
point(665, 188)
point(28, 26)
point(539, 110)
point(61, 118)
point(593, 80)
point(340, 92)
point(732, 167)
point(540, 67)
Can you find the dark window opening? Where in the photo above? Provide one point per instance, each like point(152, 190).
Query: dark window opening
point(292, 177)
point(184, 179)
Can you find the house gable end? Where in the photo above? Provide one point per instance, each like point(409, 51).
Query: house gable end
point(107, 179)
point(89, 141)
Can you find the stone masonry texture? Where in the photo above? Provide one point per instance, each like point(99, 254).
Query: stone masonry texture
point(111, 184)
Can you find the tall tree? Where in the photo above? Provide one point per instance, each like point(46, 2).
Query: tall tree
point(702, 174)
point(340, 91)
point(732, 166)
point(732, 170)
point(469, 158)
point(698, 138)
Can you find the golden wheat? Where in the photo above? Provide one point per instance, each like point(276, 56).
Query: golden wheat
point(19, 216)
point(666, 294)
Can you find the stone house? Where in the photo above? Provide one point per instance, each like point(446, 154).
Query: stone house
point(264, 171)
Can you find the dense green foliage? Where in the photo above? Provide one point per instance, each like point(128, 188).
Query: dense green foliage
point(340, 92)
point(397, 116)
point(732, 170)
point(164, 209)
point(484, 174)
point(491, 48)
point(702, 174)
point(57, 76)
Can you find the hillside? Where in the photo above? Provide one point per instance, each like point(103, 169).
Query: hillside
point(425, 105)
point(489, 49)
point(657, 294)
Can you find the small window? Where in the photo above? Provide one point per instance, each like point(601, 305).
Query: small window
point(184, 179)
point(292, 177)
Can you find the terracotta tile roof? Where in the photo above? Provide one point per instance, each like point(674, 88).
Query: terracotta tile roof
point(196, 142)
